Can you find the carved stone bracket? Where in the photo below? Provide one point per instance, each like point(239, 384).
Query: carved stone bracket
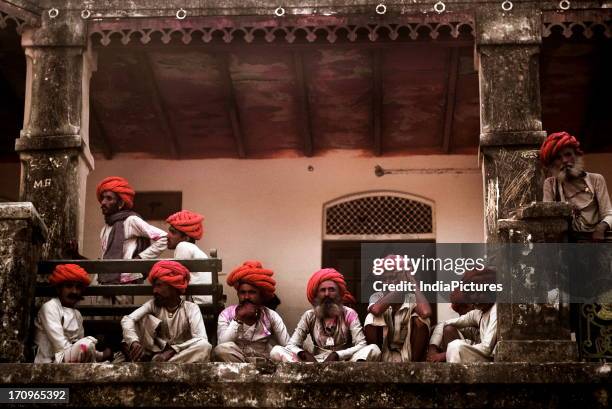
point(573, 23)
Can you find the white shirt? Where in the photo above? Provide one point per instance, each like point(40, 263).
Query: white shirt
point(135, 227)
point(182, 330)
point(189, 251)
point(56, 328)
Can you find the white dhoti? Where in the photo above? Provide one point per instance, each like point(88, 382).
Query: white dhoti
point(459, 351)
point(232, 352)
point(369, 353)
point(82, 351)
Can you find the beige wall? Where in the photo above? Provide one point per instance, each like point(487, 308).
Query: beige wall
point(272, 209)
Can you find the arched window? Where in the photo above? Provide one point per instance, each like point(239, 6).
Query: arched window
point(379, 216)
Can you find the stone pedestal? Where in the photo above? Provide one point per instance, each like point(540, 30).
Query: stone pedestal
point(530, 332)
point(22, 233)
point(508, 46)
point(53, 146)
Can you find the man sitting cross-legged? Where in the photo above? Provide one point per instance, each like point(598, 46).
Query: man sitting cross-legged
point(59, 334)
point(249, 330)
point(334, 328)
point(166, 328)
point(399, 322)
point(472, 336)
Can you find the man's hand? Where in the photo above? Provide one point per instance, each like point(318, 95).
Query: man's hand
point(600, 231)
point(306, 356)
point(164, 356)
point(247, 312)
point(332, 357)
point(136, 351)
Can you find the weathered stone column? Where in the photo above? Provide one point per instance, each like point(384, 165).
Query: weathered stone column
point(55, 157)
point(22, 233)
point(530, 332)
point(508, 46)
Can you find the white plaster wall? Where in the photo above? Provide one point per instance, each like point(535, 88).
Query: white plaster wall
point(272, 209)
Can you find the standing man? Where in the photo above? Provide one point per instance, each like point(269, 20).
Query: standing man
point(185, 228)
point(59, 335)
point(586, 192)
point(398, 322)
point(124, 235)
point(250, 330)
point(334, 328)
point(166, 328)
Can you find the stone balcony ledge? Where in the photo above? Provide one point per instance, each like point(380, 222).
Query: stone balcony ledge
point(339, 385)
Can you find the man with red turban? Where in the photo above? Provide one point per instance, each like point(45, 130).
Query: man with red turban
point(166, 328)
point(334, 328)
point(399, 323)
point(59, 334)
point(472, 336)
point(249, 330)
point(185, 228)
point(586, 192)
point(124, 235)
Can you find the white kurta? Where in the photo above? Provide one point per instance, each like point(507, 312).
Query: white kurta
point(397, 328)
point(135, 227)
point(461, 351)
point(189, 251)
point(60, 337)
point(255, 340)
point(348, 340)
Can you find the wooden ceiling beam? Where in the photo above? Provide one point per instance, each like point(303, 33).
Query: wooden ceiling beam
point(451, 94)
point(232, 106)
point(159, 107)
point(304, 127)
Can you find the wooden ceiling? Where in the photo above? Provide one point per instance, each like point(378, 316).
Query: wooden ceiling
point(270, 100)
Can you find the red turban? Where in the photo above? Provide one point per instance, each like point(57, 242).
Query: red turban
point(69, 272)
point(118, 185)
point(554, 143)
point(252, 272)
point(171, 273)
point(328, 274)
point(188, 222)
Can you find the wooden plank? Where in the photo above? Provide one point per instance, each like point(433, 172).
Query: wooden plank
point(159, 106)
point(304, 107)
point(132, 289)
point(118, 310)
point(232, 106)
point(377, 101)
point(451, 92)
point(134, 266)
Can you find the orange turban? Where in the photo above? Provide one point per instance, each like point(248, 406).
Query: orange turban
point(118, 185)
point(252, 272)
point(69, 272)
point(171, 273)
point(328, 274)
point(188, 222)
point(554, 143)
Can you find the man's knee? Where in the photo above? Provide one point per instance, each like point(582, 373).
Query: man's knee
point(223, 350)
point(282, 354)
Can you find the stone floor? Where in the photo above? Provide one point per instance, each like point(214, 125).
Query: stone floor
point(333, 385)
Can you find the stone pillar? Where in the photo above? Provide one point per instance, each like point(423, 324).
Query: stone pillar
point(53, 145)
point(530, 332)
point(508, 46)
point(22, 233)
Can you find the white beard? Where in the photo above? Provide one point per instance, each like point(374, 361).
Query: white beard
point(571, 172)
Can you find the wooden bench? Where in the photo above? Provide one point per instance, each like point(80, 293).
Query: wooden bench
point(107, 321)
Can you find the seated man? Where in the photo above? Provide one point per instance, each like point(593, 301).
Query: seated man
point(399, 322)
point(185, 229)
point(334, 328)
point(249, 330)
point(59, 334)
point(472, 336)
point(166, 328)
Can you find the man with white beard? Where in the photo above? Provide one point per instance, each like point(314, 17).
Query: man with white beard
point(586, 192)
